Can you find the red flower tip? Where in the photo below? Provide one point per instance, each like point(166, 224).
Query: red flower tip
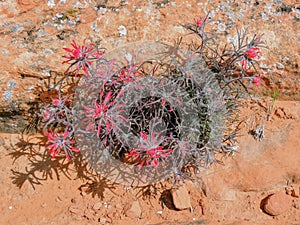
point(56, 102)
point(257, 79)
point(144, 136)
point(199, 22)
point(253, 53)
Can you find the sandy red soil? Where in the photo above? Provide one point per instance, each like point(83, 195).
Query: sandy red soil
point(36, 191)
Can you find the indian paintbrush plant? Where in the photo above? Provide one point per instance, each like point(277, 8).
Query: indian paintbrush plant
point(155, 110)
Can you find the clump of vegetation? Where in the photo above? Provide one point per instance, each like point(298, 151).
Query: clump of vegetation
point(165, 114)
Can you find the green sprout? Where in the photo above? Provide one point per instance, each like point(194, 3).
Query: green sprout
point(274, 97)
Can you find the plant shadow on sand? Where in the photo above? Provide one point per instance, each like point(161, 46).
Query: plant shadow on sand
point(41, 167)
point(38, 167)
point(37, 164)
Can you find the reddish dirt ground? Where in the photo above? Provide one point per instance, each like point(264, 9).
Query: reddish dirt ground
point(36, 191)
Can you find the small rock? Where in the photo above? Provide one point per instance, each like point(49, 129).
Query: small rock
point(263, 66)
point(288, 190)
point(75, 210)
point(159, 212)
point(134, 211)
point(122, 30)
point(277, 203)
point(181, 198)
point(295, 191)
point(102, 221)
point(221, 27)
point(296, 205)
point(97, 206)
point(118, 206)
point(84, 190)
point(280, 113)
point(58, 199)
point(295, 194)
point(88, 214)
point(105, 204)
point(279, 66)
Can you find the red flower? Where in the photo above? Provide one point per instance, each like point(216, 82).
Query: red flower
point(149, 153)
point(102, 114)
point(99, 112)
point(50, 113)
point(128, 75)
point(100, 109)
point(163, 102)
point(158, 153)
point(46, 114)
point(60, 142)
point(253, 53)
point(199, 22)
point(144, 136)
point(81, 56)
point(257, 79)
point(56, 102)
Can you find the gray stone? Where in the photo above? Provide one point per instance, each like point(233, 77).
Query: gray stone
point(181, 198)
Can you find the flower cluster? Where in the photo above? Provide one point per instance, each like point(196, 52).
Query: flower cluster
point(245, 53)
point(81, 56)
point(248, 57)
point(253, 53)
point(150, 153)
point(101, 114)
point(61, 141)
point(57, 114)
point(128, 75)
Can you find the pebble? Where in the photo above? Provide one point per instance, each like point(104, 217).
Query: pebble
point(181, 198)
point(88, 214)
point(279, 66)
point(159, 212)
point(295, 193)
point(122, 30)
point(263, 66)
point(97, 206)
point(84, 190)
point(76, 210)
point(134, 211)
point(277, 203)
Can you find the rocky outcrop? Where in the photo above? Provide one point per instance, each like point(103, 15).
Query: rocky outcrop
point(33, 34)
